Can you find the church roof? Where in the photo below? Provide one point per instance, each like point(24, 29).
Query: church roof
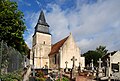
point(55, 48)
point(42, 25)
point(42, 20)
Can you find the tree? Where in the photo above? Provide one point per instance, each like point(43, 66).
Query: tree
point(12, 25)
point(101, 50)
point(94, 54)
point(91, 55)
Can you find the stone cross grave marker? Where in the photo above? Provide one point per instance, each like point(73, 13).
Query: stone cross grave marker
point(46, 66)
point(107, 68)
point(100, 62)
point(79, 68)
point(107, 62)
point(73, 59)
point(66, 63)
point(99, 68)
point(92, 64)
point(109, 72)
point(73, 74)
point(79, 65)
point(109, 75)
point(66, 69)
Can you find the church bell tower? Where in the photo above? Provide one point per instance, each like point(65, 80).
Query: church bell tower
point(41, 44)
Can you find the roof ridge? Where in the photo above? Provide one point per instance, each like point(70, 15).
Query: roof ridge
point(62, 40)
point(55, 48)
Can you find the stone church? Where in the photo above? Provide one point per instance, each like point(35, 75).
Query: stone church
point(58, 55)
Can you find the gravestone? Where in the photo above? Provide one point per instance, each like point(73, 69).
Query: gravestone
point(92, 66)
point(79, 68)
point(99, 68)
point(73, 71)
point(107, 68)
point(66, 69)
point(109, 73)
point(46, 66)
point(73, 59)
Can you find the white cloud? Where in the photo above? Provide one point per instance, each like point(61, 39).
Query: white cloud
point(38, 2)
point(91, 24)
point(32, 19)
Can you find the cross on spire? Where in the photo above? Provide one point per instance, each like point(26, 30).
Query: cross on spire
point(73, 59)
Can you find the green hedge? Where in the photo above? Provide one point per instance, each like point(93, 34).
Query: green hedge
point(14, 76)
point(64, 79)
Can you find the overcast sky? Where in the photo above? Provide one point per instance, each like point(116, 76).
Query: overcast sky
point(92, 22)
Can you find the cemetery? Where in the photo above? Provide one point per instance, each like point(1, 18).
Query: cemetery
point(97, 73)
point(108, 69)
point(61, 61)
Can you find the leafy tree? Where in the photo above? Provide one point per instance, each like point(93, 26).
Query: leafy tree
point(94, 54)
point(91, 55)
point(101, 50)
point(12, 25)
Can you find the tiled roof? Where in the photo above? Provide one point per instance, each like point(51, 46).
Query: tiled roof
point(55, 48)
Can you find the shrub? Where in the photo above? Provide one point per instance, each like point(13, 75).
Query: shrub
point(40, 79)
point(14, 76)
point(64, 79)
point(11, 77)
point(40, 74)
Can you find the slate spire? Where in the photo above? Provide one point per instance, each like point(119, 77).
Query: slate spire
point(42, 25)
point(42, 20)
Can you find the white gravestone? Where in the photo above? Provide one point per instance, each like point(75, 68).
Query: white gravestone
point(107, 68)
point(99, 68)
point(73, 68)
point(92, 64)
point(66, 69)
